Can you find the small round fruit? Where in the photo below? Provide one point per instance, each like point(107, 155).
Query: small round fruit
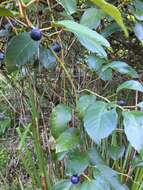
point(1, 56)
point(75, 179)
point(36, 34)
point(121, 102)
point(56, 47)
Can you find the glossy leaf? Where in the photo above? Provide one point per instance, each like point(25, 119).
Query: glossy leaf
point(110, 29)
point(107, 178)
point(138, 29)
point(95, 63)
point(99, 122)
point(88, 38)
point(95, 157)
point(105, 74)
point(62, 185)
point(83, 103)
point(112, 11)
point(122, 68)
point(59, 119)
point(133, 122)
point(91, 18)
point(77, 162)
point(21, 50)
point(131, 85)
point(68, 140)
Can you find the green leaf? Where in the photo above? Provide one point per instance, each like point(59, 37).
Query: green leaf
point(59, 119)
point(20, 50)
point(138, 29)
point(83, 103)
point(88, 38)
point(107, 178)
point(105, 75)
point(77, 162)
point(112, 11)
point(69, 6)
point(5, 12)
point(91, 18)
point(95, 63)
point(94, 156)
point(99, 122)
point(46, 58)
point(62, 185)
point(68, 140)
point(93, 185)
point(133, 122)
point(122, 68)
point(132, 85)
point(116, 152)
point(110, 29)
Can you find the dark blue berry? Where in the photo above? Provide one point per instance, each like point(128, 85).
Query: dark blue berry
point(56, 47)
point(121, 102)
point(1, 56)
point(75, 179)
point(36, 34)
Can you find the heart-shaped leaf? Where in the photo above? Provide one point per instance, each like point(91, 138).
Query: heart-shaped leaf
point(59, 119)
point(77, 162)
point(99, 122)
point(133, 122)
point(68, 140)
point(83, 103)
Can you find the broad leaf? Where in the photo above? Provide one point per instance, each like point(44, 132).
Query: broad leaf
point(94, 184)
point(94, 156)
point(46, 58)
point(132, 85)
point(122, 68)
point(91, 18)
point(68, 140)
point(5, 12)
point(138, 29)
point(99, 122)
point(88, 38)
point(105, 75)
point(59, 119)
point(107, 178)
point(20, 50)
point(95, 63)
point(77, 162)
point(110, 29)
point(133, 122)
point(69, 6)
point(112, 11)
point(62, 185)
point(83, 103)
